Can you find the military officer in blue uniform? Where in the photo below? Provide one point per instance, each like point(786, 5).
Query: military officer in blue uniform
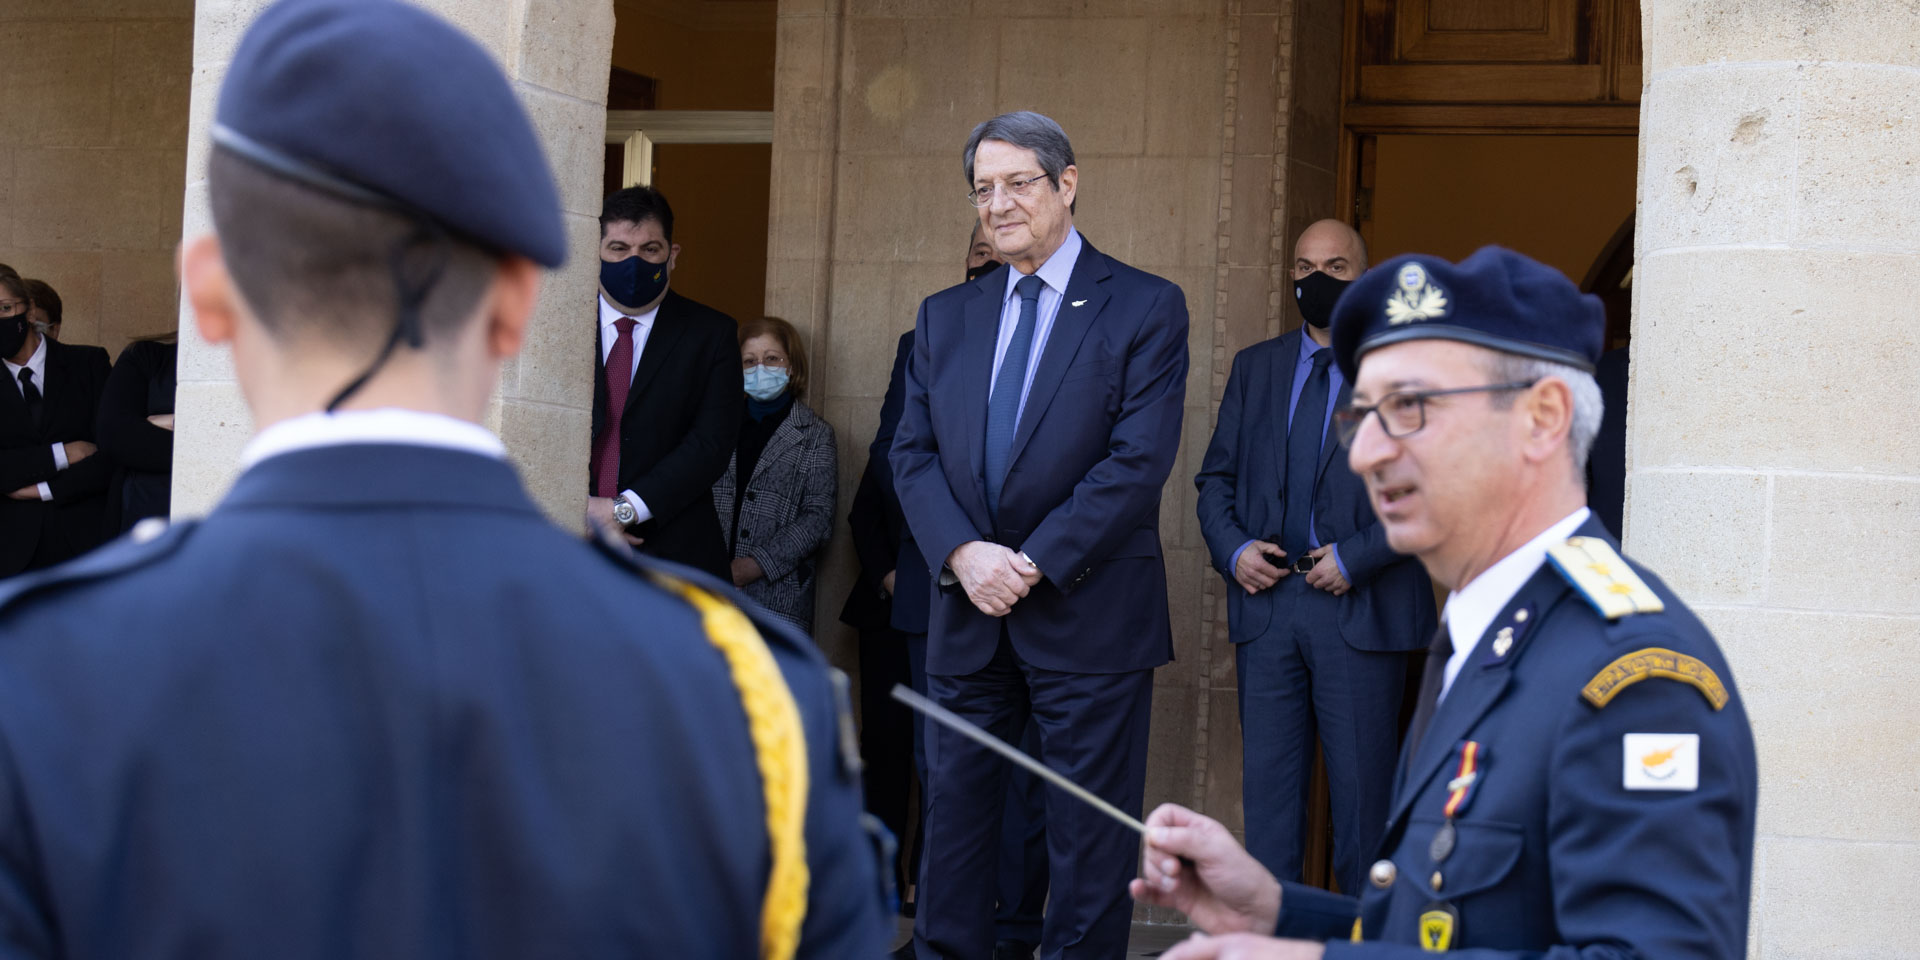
point(1579, 777)
point(375, 705)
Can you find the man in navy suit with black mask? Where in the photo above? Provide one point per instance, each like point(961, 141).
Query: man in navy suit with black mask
point(1043, 413)
point(1323, 614)
point(375, 705)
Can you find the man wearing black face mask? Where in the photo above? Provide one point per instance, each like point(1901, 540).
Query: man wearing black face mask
point(1322, 613)
point(667, 397)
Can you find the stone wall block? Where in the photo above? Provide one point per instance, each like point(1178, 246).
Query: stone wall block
point(1077, 72)
point(862, 311)
point(1858, 518)
point(152, 75)
point(1221, 798)
point(1250, 225)
point(548, 444)
point(1696, 32)
point(211, 429)
point(806, 74)
point(1759, 385)
point(58, 89)
point(1721, 148)
point(1859, 171)
point(1813, 749)
point(1187, 69)
point(793, 292)
point(1152, 210)
point(17, 10)
point(917, 85)
point(555, 364)
point(1247, 289)
point(217, 28)
point(1703, 532)
point(1255, 86)
point(1313, 122)
point(573, 133)
point(799, 199)
point(1828, 900)
point(566, 46)
point(881, 208)
point(139, 295)
point(65, 199)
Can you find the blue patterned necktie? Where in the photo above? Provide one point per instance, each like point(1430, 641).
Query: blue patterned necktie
point(1003, 407)
point(1304, 435)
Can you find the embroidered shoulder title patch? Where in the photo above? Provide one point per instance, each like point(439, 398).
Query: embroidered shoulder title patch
point(1599, 573)
point(1655, 662)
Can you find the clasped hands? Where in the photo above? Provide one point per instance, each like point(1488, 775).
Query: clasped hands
point(994, 577)
point(1220, 887)
point(1254, 572)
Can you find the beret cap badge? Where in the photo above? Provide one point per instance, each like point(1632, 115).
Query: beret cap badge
point(1416, 299)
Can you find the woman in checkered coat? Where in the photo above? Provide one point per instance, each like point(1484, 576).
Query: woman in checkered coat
point(776, 499)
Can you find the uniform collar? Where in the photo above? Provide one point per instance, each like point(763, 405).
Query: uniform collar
point(1057, 270)
point(388, 425)
point(1471, 609)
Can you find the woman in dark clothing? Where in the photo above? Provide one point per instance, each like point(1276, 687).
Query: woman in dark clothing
point(776, 499)
point(135, 427)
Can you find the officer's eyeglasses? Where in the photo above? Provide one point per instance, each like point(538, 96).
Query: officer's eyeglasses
point(982, 195)
point(1404, 413)
point(9, 308)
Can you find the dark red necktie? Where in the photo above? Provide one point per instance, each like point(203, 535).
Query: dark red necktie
point(606, 459)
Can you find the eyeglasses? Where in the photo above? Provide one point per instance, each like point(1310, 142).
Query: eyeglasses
point(1405, 412)
point(1018, 189)
point(10, 307)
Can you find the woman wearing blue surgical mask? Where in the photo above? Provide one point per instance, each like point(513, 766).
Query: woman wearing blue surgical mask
point(776, 499)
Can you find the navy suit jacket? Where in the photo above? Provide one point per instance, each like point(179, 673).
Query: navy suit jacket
point(912, 585)
point(1391, 605)
point(1089, 460)
point(375, 705)
point(1554, 855)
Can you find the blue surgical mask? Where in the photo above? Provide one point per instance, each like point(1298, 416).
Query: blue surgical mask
point(763, 383)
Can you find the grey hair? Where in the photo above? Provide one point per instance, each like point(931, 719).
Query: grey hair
point(1587, 404)
point(1029, 131)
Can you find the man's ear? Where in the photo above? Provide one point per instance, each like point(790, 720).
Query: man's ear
point(511, 301)
point(673, 257)
point(203, 274)
point(1549, 417)
point(1069, 184)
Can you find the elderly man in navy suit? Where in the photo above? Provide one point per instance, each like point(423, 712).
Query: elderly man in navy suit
point(1042, 417)
point(1323, 614)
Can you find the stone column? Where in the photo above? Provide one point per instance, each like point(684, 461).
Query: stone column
point(1775, 433)
point(557, 53)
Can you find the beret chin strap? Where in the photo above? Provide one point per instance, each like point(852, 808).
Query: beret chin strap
point(412, 288)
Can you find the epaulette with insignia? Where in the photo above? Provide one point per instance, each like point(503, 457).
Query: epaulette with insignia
point(1599, 574)
point(148, 541)
point(1655, 662)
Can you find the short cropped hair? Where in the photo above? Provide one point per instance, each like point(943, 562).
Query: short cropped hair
point(637, 205)
point(309, 263)
point(1587, 402)
point(43, 296)
point(789, 339)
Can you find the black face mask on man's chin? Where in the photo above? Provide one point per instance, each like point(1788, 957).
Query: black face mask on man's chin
point(13, 334)
point(975, 273)
point(1317, 293)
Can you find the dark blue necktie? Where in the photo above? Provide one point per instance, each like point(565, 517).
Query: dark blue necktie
point(1003, 408)
point(1303, 458)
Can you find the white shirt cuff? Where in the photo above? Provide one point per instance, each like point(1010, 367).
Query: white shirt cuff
point(59, 457)
point(46, 492)
point(640, 512)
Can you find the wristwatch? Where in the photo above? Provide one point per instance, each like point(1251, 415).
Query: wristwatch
point(623, 512)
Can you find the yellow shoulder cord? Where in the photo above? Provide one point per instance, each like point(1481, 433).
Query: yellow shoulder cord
point(780, 747)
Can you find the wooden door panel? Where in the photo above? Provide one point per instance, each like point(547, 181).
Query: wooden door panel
point(1487, 83)
point(1487, 31)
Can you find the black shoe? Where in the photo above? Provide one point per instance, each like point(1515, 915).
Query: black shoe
point(1012, 950)
point(905, 952)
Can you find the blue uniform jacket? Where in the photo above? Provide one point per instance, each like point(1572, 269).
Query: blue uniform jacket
point(1089, 460)
point(1553, 857)
point(1241, 481)
point(376, 706)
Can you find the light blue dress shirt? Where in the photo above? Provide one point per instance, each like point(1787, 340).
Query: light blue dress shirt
point(1053, 274)
point(1303, 368)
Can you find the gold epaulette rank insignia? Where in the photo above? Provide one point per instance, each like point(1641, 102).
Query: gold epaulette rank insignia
point(1654, 662)
point(1599, 573)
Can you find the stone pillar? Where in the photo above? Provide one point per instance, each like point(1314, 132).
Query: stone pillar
point(557, 53)
point(1775, 434)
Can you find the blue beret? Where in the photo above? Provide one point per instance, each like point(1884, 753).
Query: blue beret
point(1496, 298)
point(383, 102)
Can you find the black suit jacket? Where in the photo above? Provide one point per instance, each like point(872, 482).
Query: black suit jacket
point(682, 418)
point(37, 533)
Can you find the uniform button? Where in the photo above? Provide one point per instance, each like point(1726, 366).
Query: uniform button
point(146, 530)
point(1520, 615)
point(1382, 874)
point(1436, 881)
